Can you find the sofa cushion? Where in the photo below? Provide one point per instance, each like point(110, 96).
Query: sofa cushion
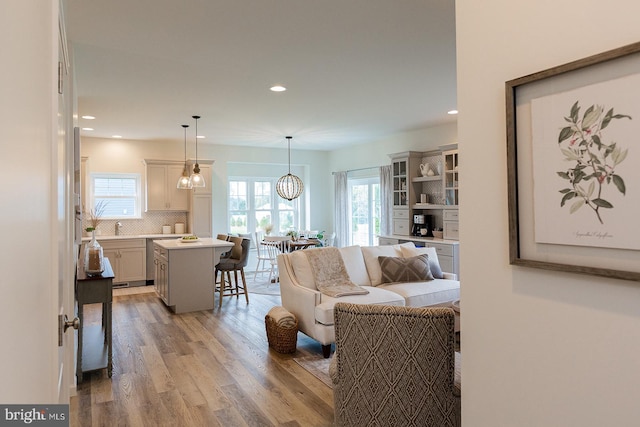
point(354, 262)
point(420, 294)
point(399, 269)
point(324, 311)
point(434, 263)
point(371, 254)
point(302, 269)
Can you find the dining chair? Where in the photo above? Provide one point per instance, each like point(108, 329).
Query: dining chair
point(272, 249)
point(262, 255)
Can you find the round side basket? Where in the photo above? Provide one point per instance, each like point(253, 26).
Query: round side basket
point(282, 340)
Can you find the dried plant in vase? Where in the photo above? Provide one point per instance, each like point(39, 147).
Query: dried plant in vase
point(95, 215)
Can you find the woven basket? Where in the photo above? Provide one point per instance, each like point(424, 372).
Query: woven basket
point(282, 340)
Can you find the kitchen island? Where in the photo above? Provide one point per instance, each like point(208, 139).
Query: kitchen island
point(184, 272)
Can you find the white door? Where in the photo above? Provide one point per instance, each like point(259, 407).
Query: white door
point(34, 262)
point(67, 249)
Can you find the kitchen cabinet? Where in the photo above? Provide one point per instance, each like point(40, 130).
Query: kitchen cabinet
point(450, 224)
point(404, 167)
point(161, 265)
point(201, 202)
point(448, 250)
point(128, 259)
point(184, 272)
point(441, 190)
point(162, 194)
point(450, 179)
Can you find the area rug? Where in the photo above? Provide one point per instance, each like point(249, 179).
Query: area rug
point(317, 366)
point(263, 287)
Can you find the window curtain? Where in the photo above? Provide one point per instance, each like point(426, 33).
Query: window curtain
point(386, 200)
point(341, 216)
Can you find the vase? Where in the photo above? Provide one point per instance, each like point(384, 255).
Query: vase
point(93, 256)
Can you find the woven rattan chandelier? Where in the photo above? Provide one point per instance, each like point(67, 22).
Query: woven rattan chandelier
point(289, 186)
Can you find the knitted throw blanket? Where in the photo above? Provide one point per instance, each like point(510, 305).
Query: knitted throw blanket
point(330, 274)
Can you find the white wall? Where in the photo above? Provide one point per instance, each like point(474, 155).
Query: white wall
point(539, 348)
point(376, 153)
point(112, 155)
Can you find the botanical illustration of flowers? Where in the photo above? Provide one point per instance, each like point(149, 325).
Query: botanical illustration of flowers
point(594, 161)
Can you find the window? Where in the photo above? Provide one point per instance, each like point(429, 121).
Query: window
point(120, 194)
point(254, 203)
point(364, 195)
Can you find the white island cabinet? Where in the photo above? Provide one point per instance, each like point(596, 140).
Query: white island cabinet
point(184, 272)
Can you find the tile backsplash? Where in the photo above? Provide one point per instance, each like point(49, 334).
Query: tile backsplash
point(150, 223)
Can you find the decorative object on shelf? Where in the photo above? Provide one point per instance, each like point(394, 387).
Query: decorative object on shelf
point(196, 180)
point(425, 170)
point(183, 182)
point(289, 186)
point(93, 256)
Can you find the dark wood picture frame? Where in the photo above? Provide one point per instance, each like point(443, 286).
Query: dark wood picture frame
point(553, 80)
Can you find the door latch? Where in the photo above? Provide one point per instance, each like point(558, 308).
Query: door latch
point(63, 324)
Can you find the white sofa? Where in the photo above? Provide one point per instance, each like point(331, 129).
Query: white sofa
point(314, 310)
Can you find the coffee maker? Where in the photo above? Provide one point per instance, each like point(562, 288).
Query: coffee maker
point(420, 222)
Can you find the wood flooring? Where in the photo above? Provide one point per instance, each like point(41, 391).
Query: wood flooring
point(207, 368)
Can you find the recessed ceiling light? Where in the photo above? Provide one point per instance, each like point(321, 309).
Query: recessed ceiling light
point(200, 137)
point(278, 88)
point(88, 117)
point(452, 112)
point(116, 136)
point(87, 129)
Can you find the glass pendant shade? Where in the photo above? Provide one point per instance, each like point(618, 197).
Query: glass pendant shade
point(196, 180)
point(183, 181)
point(289, 186)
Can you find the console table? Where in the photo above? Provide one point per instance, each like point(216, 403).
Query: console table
point(94, 342)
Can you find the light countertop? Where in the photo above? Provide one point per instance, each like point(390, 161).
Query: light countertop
point(136, 236)
point(420, 239)
point(206, 242)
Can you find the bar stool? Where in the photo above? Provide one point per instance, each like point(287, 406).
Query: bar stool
point(236, 263)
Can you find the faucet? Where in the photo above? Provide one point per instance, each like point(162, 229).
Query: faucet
point(118, 227)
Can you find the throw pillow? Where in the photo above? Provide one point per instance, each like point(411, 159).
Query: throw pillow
point(434, 263)
point(371, 254)
point(414, 269)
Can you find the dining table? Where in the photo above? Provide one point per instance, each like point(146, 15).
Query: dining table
point(295, 245)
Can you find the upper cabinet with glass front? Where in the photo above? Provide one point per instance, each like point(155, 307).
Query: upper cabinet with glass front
point(404, 168)
point(450, 179)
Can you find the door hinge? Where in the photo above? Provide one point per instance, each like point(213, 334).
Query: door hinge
point(60, 79)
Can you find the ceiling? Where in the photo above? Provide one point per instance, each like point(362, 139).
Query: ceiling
point(355, 70)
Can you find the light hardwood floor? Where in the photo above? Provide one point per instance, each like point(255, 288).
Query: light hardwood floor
point(206, 368)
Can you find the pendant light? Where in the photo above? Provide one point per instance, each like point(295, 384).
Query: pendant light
point(196, 180)
point(289, 186)
point(183, 181)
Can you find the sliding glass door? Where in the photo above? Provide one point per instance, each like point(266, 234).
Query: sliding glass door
point(364, 195)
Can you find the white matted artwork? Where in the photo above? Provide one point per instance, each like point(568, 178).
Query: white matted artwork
point(573, 166)
point(586, 160)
